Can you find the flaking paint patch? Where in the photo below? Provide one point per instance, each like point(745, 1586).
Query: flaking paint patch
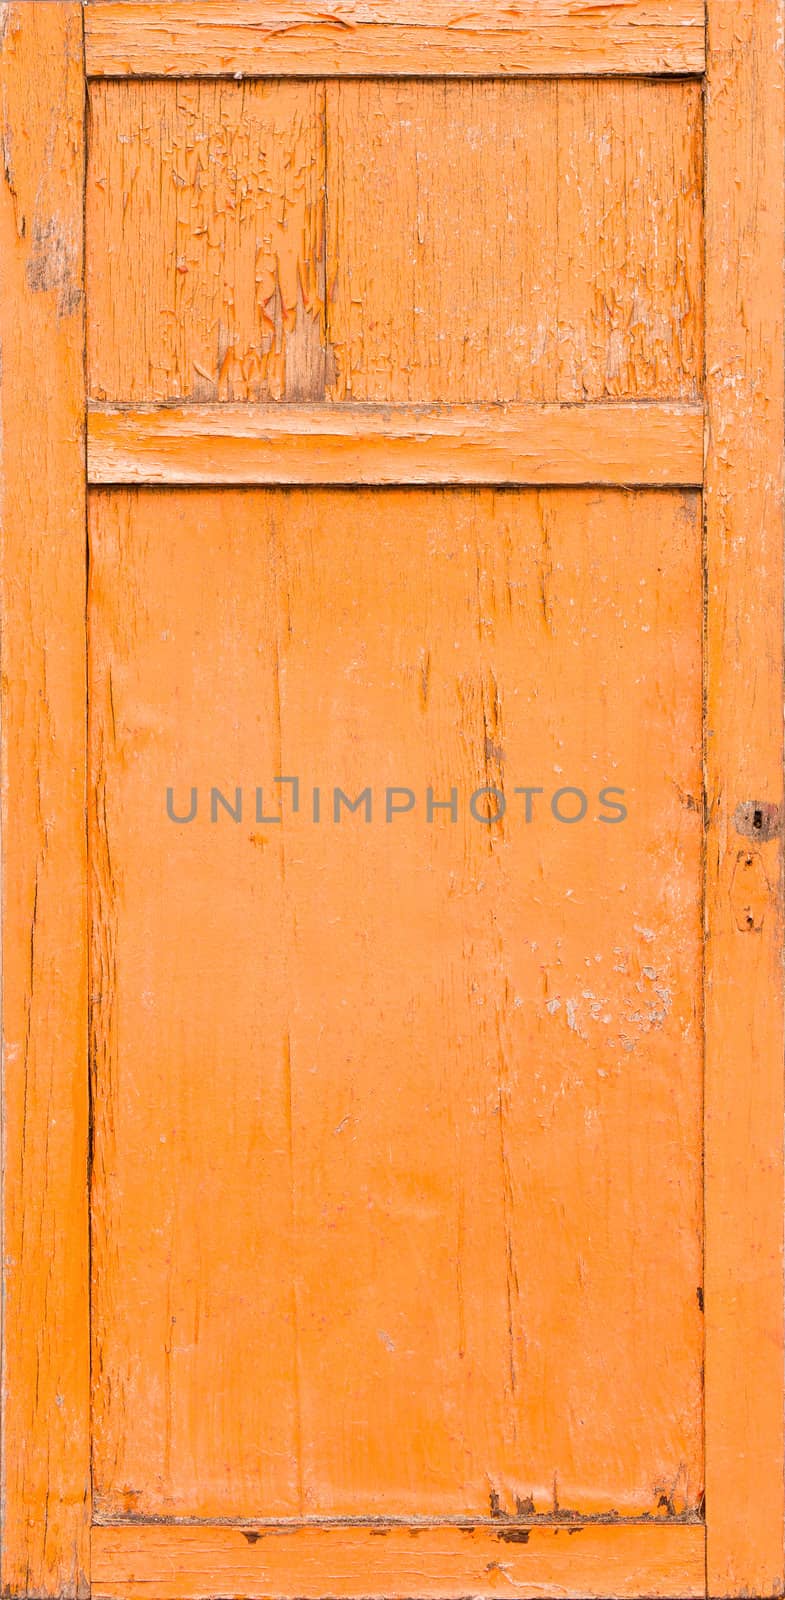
point(623, 1019)
point(575, 253)
point(216, 193)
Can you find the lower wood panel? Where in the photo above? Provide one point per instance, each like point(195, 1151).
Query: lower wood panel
point(396, 1162)
point(585, 1561)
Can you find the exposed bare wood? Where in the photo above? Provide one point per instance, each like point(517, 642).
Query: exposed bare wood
point(745, 289)
point(45, 1357)
point(655, 444)
point(361, 38)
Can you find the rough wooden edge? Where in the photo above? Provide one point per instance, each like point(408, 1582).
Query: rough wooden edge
point(45, 1346)
point(745, 240)
point(207, 38)
point(591, 1560)
point(654, 444)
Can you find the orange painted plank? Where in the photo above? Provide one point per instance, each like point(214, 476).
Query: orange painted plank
point(630, 226)
point(379, 37)
point(745, 230)
point(45, 1359)
point(586, 1562)
point(514, 241)
point(205, 225)
point(333, 444)
point(397, 1178)
point(194, 1352)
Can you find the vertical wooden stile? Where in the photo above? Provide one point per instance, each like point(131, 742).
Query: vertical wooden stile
point(45, 1377)
point(745, 241)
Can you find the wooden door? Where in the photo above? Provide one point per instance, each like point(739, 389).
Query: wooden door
point(392, 412)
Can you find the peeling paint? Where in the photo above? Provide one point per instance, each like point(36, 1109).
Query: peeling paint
point(575, 251)
point(216, 191)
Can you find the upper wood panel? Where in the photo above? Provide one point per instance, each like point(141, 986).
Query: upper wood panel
point(514, 241)
point(496, 241)
point(205, 228)
point(392, 37)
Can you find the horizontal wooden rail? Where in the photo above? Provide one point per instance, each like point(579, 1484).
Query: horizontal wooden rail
point(195, 1562)
point(392, 38)
point(652, 444)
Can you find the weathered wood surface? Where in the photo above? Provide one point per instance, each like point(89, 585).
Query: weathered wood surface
point(416, 1093)
point(656, 444)
point(382, 37)
point(430, 1563)
point(205, 219)
point(45, 1354)
point(442, 1112)
point(745, 244)
point(471, 255)
point(514, 241)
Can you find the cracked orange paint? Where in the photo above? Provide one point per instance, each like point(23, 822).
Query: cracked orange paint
point(391, 615)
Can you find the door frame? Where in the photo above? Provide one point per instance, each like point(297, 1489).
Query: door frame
point(47, 1533)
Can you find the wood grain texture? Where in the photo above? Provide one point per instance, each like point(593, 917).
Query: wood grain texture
point(205, 223)
point(537, 1563)
point(620, 444)
point(514, 241)
point(745, 230)
point(45, 1361)
point(379, 37)
point(398, 1126)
